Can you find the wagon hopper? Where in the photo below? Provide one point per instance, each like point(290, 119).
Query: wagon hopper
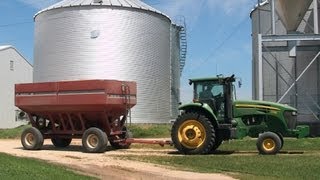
point(93, 110)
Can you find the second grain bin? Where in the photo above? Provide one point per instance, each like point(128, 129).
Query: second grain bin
point(108, 39)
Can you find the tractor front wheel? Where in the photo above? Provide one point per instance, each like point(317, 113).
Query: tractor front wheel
point(193, 133)
point(269, 143)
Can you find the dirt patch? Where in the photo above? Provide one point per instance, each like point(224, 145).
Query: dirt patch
point(106, 165)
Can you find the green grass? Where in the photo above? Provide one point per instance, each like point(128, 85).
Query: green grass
point(150, 130)
point(299, 159)
point(12, 133)
point(138, 130)
point(24, 168)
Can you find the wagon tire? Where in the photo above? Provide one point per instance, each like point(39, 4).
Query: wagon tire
point(94, 140)
point(269, 143)
point(61, 142)
point(193, 133)
point(118, 145)
point(32, 139)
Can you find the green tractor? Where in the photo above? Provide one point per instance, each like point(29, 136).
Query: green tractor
point(214, 116)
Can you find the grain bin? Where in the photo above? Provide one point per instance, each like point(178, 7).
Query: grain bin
point(281, 69)
point(106, 39)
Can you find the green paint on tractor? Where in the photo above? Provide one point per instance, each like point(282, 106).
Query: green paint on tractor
point(215, 115)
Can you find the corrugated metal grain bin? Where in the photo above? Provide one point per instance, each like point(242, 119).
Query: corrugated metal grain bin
point(124, 40)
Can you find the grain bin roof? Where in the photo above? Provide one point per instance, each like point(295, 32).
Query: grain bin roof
point(137, 4)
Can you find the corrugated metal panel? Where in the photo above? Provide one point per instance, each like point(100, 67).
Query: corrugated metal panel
point(107, 43)
point(280, 70)
point(175, 73)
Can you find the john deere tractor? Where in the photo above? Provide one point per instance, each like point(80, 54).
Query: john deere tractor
point(214, 116)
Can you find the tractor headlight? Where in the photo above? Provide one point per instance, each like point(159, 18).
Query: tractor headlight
point(294, 113)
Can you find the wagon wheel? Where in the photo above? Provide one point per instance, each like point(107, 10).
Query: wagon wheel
point(120, 145)
point(31, 139)
point(94, 140)
point(61, 142)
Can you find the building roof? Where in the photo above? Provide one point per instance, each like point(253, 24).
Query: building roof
point(5, 47)
point(137, 4)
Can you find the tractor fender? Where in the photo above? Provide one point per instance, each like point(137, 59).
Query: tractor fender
point(203, 108)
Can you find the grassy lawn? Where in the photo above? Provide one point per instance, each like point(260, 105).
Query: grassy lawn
point(12, 133)
point(23, 168)
point(239, 158)
point(138, 130)
point(299, 158)
point(150, 130)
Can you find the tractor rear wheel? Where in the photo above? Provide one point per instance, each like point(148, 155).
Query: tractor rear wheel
point(193, 133)
point(31, 139)
point(94, 140)
point(61, 142)
point(269, 143)
point(216, 145)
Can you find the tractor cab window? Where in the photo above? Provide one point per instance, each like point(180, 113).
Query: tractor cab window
point(212, 93)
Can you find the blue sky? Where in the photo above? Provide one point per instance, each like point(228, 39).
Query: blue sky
point(219, 35)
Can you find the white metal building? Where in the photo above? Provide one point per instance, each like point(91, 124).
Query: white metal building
point(14, 68)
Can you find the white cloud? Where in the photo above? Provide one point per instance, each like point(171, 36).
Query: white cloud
point(39, 4)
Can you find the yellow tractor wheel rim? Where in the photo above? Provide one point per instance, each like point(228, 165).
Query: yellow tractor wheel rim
point(191, 134)
point(268, 144)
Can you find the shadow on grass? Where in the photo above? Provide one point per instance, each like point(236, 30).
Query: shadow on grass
point(229, 152)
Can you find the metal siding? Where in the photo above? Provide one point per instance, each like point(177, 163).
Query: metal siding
point(22, 73)
point(175, 70)
point(133, 45)
point(308, 96)
point(269, 75)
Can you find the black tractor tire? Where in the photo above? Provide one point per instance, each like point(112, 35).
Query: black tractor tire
point(125, 135)
point(94, 140)
point(282, 141)
point(32, 139)
point(61, 142)
point(193, 133)
point(269, 143)
point(216, 145)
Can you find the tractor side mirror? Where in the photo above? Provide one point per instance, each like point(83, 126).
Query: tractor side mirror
point(240, 83)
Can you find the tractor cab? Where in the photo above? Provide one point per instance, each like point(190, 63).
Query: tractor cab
point(217, 92)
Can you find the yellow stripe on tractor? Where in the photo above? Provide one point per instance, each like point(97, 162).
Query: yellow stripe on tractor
point(256, 106)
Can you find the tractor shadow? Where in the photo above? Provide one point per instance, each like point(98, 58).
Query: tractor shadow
point(242, 153)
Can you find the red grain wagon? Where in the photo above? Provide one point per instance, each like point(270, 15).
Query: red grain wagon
point(93, 110)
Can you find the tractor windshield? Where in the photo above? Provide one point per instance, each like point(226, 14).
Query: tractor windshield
point(210, 92)
point(207, 90)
